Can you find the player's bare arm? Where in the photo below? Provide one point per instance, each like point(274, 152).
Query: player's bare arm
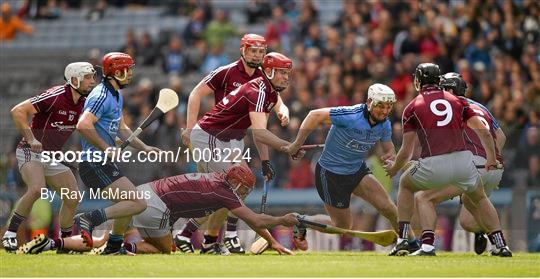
point(261, 134)
point(194, 104)
point(282, 112)
point(403, 156)
point(85, 126)
point(20, 114)
point(501, 139)
point(389, 151)
point(260, 223)
point(311, 122)
point(124, 132)
point(487, 141)
point(261, 148)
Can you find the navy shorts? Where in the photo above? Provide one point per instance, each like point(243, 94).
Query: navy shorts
point(97, 175)
point(336, 189)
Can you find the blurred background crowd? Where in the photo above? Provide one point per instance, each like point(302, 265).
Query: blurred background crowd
point(339, 48)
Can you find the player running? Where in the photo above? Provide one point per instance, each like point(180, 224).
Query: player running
point(341, 170)
point(436, 118)
point(454, 83)
point(221, 82)
point(100, 124)
point(54, 113)
point(222, 129)
point(186, 196)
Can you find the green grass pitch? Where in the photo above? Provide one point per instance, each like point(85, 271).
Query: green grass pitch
point(336, 264)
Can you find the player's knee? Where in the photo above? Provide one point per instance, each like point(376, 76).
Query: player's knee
point(140, 205)
point(33, 193)
point(421, 198)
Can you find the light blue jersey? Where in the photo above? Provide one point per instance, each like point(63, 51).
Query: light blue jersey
point(496, 125)
point(350, 138)
point(106, 104)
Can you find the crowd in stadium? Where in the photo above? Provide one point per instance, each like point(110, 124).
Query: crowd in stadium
point(493, 44)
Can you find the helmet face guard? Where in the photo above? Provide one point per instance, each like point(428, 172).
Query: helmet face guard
point(273, 61)
point(117, 61)
point(78, 70)
point(455, 82)
point(252, 41)
point(380, 93)
point(238, 176)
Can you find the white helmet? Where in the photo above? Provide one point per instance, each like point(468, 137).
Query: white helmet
point(380, 93)
point(78, 70)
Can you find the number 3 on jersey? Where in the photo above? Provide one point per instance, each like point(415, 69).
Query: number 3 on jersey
point(447, 111)
point(235, 91)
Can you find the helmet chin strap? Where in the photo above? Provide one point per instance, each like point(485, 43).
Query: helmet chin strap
point(252, 65)
point(118, 80)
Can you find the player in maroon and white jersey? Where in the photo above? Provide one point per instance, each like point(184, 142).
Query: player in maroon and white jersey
point(221, 82)
point(453, 83)
point(437, 118)
point(222, 129)
point(184, 196)
point(226, 79)
point(55, 113)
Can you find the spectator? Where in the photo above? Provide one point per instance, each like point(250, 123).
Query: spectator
point(533, 176)
point(11, 24)
point(219, 30)
point(130, 47)
point(529, 149)
point(173, 58)
point(146, 50)
point(258, 11)
point(277, 31)
point(214, 60)
point(195, 27)
point(300, 175)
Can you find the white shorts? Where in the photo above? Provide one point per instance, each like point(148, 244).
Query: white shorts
point(25, 155)
point(490, 179)
point(154, 220)
point(223, 154)
point(456, 168)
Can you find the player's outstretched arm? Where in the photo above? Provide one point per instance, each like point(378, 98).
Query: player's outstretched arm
point(261, 222)
point(404, 154)
point(311, 122)
point(20, 114)
point(193, 107)
point(261, 134)
point(282, 112)
point(85, 126)
point(487, 140)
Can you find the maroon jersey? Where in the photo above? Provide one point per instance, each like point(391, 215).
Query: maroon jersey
point(438, 119)
point(226, 79)
point(195, 195)
point(229, 118)
point(56, 117)
point(472, 140)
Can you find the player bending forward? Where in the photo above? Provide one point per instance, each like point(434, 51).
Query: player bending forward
point(341, 170)
point(191, 195)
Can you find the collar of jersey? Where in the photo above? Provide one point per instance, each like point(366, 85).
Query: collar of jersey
point(109, 86)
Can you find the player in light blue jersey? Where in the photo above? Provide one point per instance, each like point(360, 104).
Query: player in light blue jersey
point(341, 170)
point(100, 124)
